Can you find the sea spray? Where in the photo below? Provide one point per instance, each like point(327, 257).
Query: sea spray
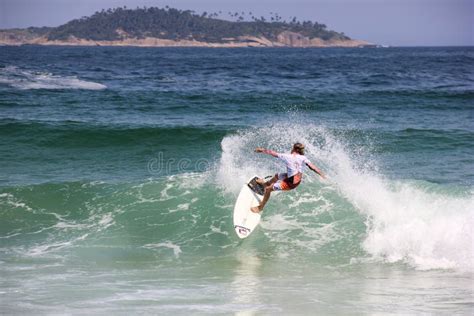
point(28, 79)
point(422, 224)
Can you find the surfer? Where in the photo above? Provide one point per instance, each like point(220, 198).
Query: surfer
point(285, 181)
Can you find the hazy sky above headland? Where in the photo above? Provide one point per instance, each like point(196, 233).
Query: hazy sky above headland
point(393, 22)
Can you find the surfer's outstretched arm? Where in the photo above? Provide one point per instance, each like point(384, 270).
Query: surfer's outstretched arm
point(315, 169)
point(266, 151)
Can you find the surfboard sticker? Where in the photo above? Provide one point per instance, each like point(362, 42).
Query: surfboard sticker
point(242, 230)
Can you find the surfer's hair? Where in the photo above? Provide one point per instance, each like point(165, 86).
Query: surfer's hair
point(299, 148)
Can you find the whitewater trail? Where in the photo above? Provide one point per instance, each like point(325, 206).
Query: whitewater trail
point(422, 224)
point(359, 214)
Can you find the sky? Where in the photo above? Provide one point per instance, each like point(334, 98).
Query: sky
point(388, 22)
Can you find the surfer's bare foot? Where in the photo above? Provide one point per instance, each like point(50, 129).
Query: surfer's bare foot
point(256, 209)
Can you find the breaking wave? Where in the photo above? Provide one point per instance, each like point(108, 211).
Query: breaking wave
point(27, 79)
point(355, 216)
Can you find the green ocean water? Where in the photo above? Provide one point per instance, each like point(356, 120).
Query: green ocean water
point(120, 167)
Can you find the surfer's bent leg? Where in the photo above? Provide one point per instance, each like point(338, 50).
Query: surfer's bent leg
point(266, 196)
point(274, 179)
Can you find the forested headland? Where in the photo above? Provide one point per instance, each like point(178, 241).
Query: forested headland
point(186, 27)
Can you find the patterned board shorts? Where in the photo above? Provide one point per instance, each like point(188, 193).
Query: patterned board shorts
point(284, 183)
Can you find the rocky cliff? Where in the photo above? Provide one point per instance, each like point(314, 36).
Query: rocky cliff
point(284, 39)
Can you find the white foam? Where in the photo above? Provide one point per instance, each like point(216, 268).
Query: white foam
point(77, 232)
point(46, 248)
point(180, 207)
point(168, 244)
point(280, 222)
point(232, 164)
point(217, 230)
point(25, 80)
point(406, 222)
point(427, 230)
point(10, 200)
point(164, 196)
point(68, 225)
point(106, 221)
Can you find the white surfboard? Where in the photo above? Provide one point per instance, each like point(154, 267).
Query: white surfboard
point(245, 221)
